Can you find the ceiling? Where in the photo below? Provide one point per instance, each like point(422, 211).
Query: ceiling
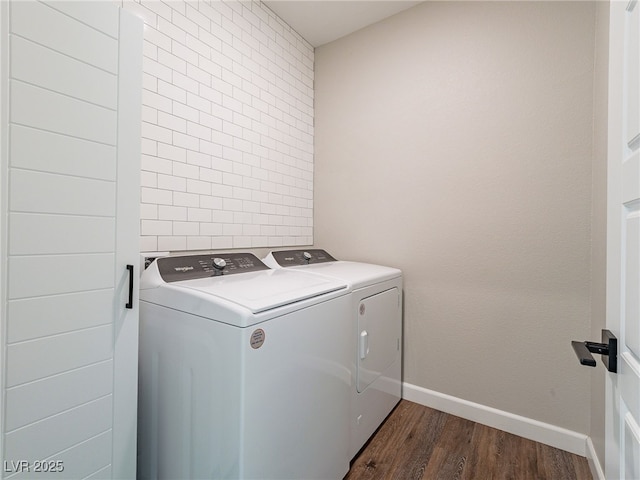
point(323, 21)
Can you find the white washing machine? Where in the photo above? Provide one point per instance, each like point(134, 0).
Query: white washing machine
point(375, 316)
point(244, 371)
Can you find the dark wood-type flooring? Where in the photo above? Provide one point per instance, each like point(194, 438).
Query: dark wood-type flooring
point(417, 442)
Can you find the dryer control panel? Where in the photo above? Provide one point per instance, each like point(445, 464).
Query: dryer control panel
point(175, 269)
point(293, 258)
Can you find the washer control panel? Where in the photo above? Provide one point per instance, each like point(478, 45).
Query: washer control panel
point(293, 258)
point(175, 269)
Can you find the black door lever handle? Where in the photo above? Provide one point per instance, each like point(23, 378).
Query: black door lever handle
point(583, 353)
point(608, 349)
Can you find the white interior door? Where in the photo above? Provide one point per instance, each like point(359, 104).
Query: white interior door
point(622, 457)
point(71, 84)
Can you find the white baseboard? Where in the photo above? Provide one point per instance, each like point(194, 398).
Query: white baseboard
point(522, 426)
point(594, 462)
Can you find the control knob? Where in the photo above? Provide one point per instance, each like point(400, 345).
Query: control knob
point(219, 263)
point(307, 256)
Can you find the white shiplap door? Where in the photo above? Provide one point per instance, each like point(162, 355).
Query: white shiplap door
point(622, 456)
point(71, 74)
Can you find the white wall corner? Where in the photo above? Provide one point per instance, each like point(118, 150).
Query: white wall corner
point(535, 430)
point(594, 463)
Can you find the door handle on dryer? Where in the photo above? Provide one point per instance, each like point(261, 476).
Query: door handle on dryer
point(364, 344)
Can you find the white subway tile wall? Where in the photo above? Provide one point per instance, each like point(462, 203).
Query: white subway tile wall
point(227, 132)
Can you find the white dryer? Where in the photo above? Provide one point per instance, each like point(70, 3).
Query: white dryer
point(244, 371)
point(375, 316)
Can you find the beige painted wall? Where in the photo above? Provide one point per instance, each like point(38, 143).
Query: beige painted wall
point(454, 141)
point(599, 219)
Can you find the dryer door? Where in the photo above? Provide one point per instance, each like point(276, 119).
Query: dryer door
point(379, 327)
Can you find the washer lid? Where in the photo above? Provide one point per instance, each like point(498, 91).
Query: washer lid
point(264, 290)
point(241, 299)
